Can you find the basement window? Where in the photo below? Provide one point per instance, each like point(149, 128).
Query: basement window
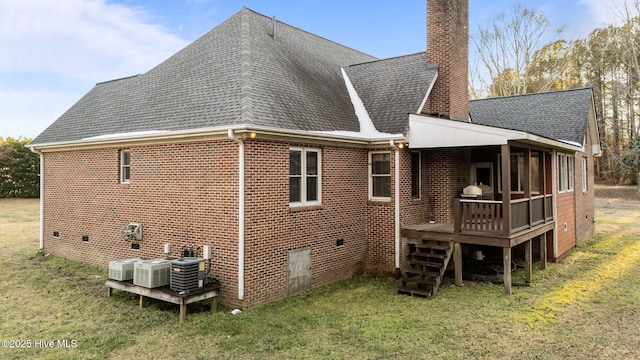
point(125, 166)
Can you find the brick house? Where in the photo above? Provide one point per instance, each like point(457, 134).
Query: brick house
point(301, 161)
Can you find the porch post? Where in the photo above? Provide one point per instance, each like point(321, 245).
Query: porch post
point(543, 251)
point(528, 267)
point(507, 269)
point(457, 260)
point(543, 183)
point(526, 182)
point(505, 161)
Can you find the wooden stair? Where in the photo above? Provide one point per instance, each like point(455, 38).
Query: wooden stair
point(424, 267)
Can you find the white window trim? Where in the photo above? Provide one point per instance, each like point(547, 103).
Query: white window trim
point(566, 173)
point(419, 175)
point(482, 165)
point(571, 168)
point(303, 176)
point(371, 176)
point(123, 166)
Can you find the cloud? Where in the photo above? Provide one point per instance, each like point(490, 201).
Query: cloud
point(606, 12)
point(54, 51)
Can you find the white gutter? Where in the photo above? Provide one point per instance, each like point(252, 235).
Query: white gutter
point(232, 137)
point(396, 184)
point(219, 132)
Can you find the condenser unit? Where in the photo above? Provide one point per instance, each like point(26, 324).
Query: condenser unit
point(122, 270)
point(187, 274)
point(152, 273)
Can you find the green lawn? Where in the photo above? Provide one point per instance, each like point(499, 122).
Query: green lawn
point(585, 307)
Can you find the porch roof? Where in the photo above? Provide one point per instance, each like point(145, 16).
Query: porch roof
point(430, 132)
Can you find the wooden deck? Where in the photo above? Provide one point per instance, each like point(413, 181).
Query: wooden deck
point(416, 234)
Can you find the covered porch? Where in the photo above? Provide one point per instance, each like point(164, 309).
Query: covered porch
point(516, 207)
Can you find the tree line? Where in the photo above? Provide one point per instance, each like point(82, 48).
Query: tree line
point(19, 169)
point(512, 59)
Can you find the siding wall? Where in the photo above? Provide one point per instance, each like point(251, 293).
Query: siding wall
point(565, 214)
point(585, 200)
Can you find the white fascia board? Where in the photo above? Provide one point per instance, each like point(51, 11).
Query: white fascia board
point(596, 148)
point(432, 132)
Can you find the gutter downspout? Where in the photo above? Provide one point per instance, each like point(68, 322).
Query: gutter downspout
point(41, 201)
point(396, 184)
point(554, 186)
point(241, 212)
point(41, 196)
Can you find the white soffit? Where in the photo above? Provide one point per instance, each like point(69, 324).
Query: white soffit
point(430, 132)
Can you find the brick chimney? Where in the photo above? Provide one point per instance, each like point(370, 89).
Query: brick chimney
point(448, 47)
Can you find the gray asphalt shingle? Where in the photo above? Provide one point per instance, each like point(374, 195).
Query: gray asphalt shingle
point(237, 73)
point(558, 115)
point(392, 88)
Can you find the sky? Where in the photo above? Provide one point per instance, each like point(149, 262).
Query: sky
point(52, 52)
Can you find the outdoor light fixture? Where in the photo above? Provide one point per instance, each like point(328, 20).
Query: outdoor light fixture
point(253, 135)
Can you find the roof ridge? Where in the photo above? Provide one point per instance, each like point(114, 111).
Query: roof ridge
point(534, 93)
point(307, 32)
point(393, 58)
point(118, 79)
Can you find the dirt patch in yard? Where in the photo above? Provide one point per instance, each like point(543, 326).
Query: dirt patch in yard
point(617, 192)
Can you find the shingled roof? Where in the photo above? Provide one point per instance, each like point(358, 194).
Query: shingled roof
point(238, 73)
point(392, 88)
point(558, 115)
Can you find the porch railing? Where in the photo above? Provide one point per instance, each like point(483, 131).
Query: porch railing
point(487, 215)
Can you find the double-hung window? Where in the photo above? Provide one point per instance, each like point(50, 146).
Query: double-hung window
point(304, 176)
point(125, 166)
point(565, 173)
point(380, 176)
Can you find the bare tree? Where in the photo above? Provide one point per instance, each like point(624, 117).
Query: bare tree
point(506, 47)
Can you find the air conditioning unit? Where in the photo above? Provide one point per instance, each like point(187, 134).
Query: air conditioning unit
point(122, 270)
point(187, 274)
point(152, 273)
